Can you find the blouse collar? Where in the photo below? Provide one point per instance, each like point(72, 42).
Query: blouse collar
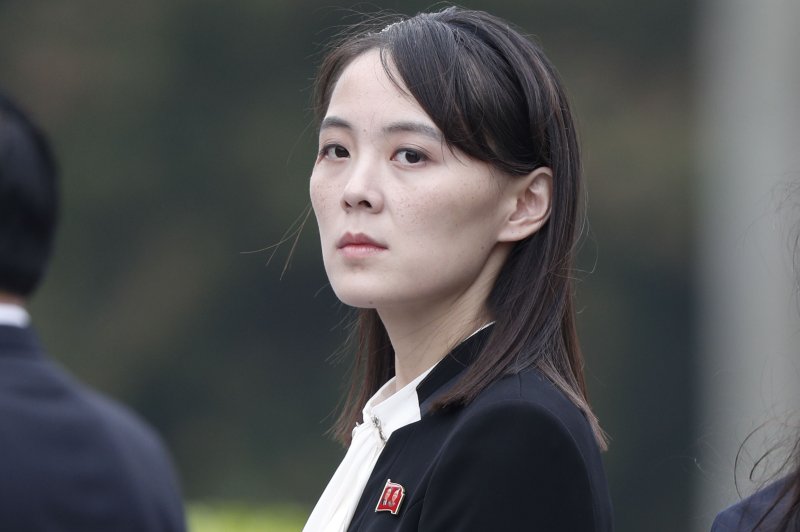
point(13, 315)
point(389, 410)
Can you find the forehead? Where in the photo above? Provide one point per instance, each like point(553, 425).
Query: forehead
point(365, 91)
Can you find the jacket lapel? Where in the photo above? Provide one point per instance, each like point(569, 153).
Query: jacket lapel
point(446, 373)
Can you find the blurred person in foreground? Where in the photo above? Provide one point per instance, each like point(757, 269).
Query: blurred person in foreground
point(776, 506)
point(71, 459)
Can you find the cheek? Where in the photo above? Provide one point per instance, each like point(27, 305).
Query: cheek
point(321, 201)
point(321, 196)
point(452, 214)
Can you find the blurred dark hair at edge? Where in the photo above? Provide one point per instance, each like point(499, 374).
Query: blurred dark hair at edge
point(784, 509)
point(782, 513)
point(28, 201)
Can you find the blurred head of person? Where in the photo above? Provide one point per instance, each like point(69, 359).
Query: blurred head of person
point(28, 202)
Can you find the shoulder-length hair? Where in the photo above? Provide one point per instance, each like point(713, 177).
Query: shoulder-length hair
point(496, 98)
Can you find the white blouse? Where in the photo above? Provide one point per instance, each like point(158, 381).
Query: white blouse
point(385, 412)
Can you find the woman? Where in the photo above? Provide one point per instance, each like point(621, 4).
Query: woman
point(447, 193)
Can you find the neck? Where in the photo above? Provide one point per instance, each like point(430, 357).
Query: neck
point(11, 299)
point(422, 333)
point(421, 339)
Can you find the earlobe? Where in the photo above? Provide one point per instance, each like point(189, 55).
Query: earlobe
point(533, 195)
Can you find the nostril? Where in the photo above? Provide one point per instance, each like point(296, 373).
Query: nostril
point(359, 201)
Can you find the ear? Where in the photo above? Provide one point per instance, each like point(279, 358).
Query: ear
point(533, 194)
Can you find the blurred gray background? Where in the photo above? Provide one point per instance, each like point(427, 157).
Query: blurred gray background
point(185, 140)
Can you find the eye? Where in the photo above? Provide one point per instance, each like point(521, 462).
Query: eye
point(409, 156)
point(334, 151)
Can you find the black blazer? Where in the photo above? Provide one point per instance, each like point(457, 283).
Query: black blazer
point(520, 457)
point(72, 460)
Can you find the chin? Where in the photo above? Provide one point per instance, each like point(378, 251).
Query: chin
point(357, 302)
point(354, 296)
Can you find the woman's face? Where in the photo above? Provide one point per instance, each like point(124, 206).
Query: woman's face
point(404, 222)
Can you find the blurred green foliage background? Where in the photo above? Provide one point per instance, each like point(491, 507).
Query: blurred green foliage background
point(233, 517)
point(185, 140)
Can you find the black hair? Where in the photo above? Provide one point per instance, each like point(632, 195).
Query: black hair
point(28, 201)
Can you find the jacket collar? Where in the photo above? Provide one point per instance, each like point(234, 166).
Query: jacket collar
point(445, 374)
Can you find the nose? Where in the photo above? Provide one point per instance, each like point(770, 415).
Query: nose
point(362, 191)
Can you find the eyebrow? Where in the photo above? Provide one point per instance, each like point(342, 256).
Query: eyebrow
point(395, 127)
point(334, 122)
point(414, 127)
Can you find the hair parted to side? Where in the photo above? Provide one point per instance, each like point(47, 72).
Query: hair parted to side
point(496, 98)
point(28, 201)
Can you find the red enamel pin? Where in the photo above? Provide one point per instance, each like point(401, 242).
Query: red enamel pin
point(391, 498)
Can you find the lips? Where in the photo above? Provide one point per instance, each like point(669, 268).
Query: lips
point(358, 240)
point(359, 246)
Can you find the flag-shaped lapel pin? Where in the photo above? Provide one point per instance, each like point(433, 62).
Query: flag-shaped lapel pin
point(391, 498)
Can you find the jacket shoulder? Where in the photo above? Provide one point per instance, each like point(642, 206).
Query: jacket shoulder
point(59, 433)
point(533, 396)
point(520, 454)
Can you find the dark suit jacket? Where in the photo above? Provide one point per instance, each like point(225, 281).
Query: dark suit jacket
point(519, 457)
point(72, 460)
point(743, 516)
